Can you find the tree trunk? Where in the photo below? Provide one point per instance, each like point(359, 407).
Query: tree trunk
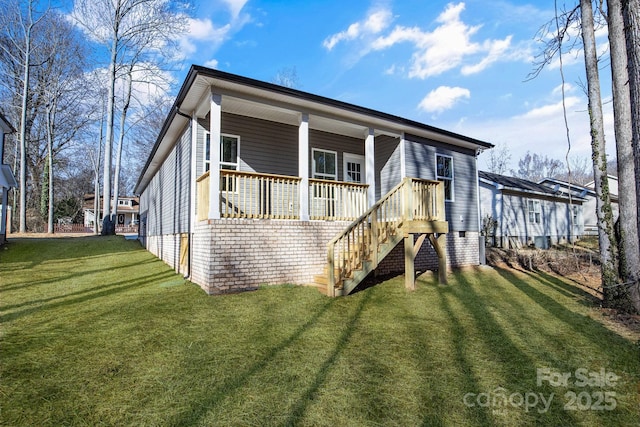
point(631, 17)
point(23, 128)
point(598, 155)
point(50, 167)
point(123, 118)
point(107, 221)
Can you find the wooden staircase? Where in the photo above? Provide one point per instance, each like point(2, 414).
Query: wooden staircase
point(412, 207)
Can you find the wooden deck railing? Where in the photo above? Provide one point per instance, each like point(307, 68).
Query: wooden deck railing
point(411, 200)
point(253, 195)
point(334, 200)
point(202, 190)
point(256, 195)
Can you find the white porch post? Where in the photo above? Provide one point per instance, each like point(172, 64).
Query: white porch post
point(403, 158)
point(215, 130)
point(192, 176)
point(370, 166)
point(303, 165)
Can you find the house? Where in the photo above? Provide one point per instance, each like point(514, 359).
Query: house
point(302, 189)
point(7, 180)
point(528, 213)
point(587, 193)
point(127, 213)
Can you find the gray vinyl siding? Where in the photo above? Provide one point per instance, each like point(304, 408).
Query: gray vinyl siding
point(462, 213)
point(388, 164)
point(512, 213)
point(265, 147)
point(333, 142)
point(164, 204)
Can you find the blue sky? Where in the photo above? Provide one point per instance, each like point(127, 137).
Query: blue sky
point(460, 66)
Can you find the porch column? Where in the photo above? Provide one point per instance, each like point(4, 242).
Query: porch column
point(303, 165)
point(370, 166)
point(192, 176)
point(215, 130)
point(403, 158)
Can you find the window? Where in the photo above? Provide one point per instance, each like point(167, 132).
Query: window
point(535, 212)
point(444, 173)
point(229, 152)
point(324, 164)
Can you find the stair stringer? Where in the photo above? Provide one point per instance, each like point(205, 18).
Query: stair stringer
point(384, 249)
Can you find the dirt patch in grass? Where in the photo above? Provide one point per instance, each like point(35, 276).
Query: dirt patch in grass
point(581, 266)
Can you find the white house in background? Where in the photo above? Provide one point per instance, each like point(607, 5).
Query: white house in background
point(7, 180)
point(587, 193)
point(127, 211)
point(529, 213)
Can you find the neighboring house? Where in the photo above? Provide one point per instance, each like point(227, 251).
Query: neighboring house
point(7, 180)
point(587, 193)
point(529, 213)
point(127, 211)
point(302, 184)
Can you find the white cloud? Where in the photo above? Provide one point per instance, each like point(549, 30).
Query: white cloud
point(443, 98)
point(212, 63)
point(551, 110)
point(203, 30)
point(448, 46)
point(496, 49)
point(235, 6)
point(541, 130)
point(375, 22)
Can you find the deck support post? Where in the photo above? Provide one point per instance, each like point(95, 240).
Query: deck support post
point(440, 245)
point(409, 263)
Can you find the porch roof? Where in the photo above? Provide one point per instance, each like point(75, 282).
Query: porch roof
point(254, 98)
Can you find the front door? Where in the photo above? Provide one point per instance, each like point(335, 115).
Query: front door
point(354, 168)
point(353, 172)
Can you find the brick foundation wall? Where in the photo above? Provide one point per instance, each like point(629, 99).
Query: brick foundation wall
point(237, 255)
point(461, 251)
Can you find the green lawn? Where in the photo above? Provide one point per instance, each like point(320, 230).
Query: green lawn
point(96, 331)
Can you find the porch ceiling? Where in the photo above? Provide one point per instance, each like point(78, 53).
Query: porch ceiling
point(275, 107)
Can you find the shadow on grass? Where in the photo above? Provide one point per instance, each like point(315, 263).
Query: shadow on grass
point(559, 285)
point(200, 407)
point(576, 321)
point(517, 368)
point(38, 250)
point(57, 279)
point(307, 397)
point(471, 383)
point(95, 292)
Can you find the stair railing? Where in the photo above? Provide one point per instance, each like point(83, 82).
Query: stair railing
point(411, 199)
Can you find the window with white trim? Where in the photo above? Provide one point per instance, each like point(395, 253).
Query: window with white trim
point(229, 157)
point(535, 211)
point(444, 173)
point(229, 151)
point(324, 164)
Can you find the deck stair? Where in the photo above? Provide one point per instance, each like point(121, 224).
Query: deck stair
point(413, 207)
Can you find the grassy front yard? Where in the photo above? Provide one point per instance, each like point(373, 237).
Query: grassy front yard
point(96, 331)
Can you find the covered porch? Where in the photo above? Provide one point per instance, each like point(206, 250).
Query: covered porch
point(266, 196)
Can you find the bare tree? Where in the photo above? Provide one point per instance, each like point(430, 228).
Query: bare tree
point(535, 167)
point(601, 183)
point(122, 26)
point(287, 77)
point(631, 20)
point(18, 23)
point(62, 78)
point(628, 243)
point(499, 158)
point(581, 171)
